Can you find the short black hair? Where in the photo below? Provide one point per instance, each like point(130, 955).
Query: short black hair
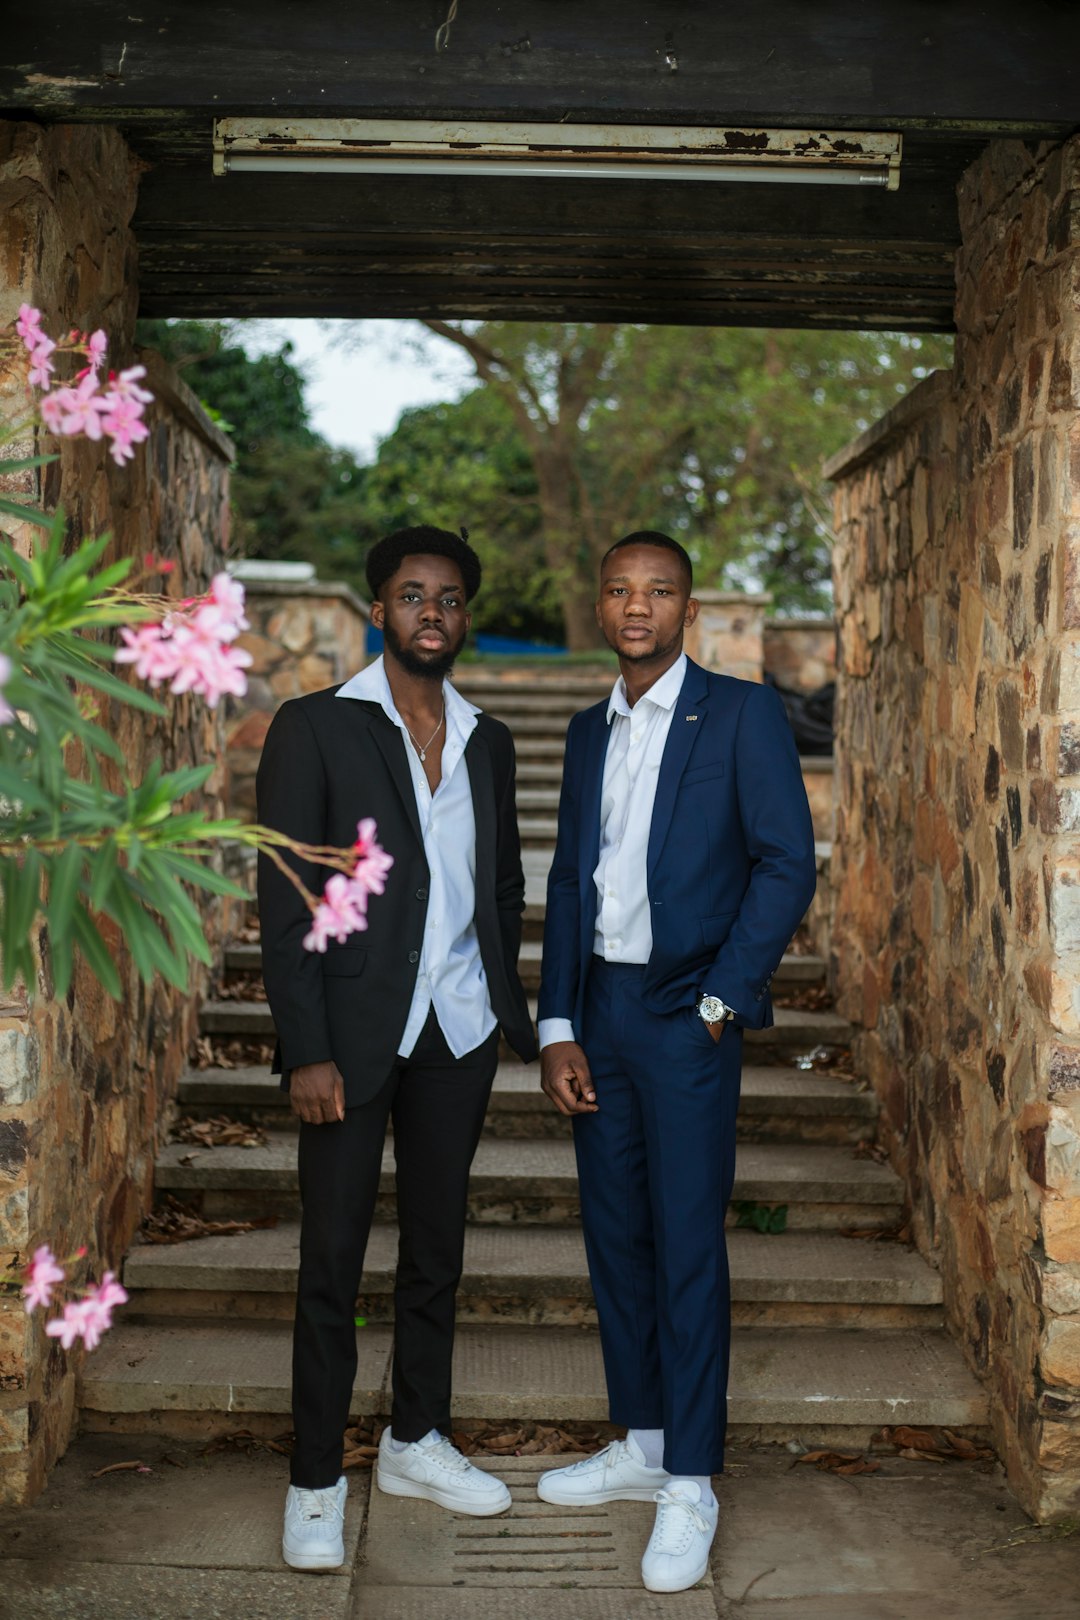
point(423, 540)
point(653, 537)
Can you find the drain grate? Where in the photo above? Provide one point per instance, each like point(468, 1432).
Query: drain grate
point(534, 1545)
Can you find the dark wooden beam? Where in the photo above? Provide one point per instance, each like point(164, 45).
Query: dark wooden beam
point(909, 64)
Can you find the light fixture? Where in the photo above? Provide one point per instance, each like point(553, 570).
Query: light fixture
point(588, 151)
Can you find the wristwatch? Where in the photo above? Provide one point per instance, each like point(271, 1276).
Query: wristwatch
point(711, 1010)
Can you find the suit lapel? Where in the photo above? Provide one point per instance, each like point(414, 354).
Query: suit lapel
point(688, 719)
point(477, 760)
point(389, 742)
point(592, 783)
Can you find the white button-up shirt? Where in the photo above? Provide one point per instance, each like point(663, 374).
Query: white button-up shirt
point(636, 739)
point(451, 975)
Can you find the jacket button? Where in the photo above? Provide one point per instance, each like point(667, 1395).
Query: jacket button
point(414, 956)
point(421, 894)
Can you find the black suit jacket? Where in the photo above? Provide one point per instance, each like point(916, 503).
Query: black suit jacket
point(326, 763)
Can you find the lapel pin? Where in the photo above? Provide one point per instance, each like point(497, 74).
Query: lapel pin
point(691, 717)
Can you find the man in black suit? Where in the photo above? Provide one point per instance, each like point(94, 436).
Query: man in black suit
point(400, 1021)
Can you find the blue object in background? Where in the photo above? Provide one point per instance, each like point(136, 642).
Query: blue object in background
point(511, 646)
point(496, 646)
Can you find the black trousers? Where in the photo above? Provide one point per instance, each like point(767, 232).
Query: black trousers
point(437, 1103)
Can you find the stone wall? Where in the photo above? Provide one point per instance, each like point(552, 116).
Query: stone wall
point(956, 945)
point(84, 1083)
point(800, 654)
point(728, 633)
point(305, 634)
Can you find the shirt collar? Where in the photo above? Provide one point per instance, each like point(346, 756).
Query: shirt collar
point(664, 693)
point(372, 684)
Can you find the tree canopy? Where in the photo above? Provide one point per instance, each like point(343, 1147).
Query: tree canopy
point(574, 435)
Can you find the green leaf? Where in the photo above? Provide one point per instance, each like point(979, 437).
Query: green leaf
point(103, 864)
point(96, 952)
point(64, 875)
point(206, 878)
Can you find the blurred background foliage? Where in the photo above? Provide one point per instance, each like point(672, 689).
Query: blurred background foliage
point(571, 436)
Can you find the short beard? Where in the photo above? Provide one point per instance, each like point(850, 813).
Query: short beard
point(426, 669)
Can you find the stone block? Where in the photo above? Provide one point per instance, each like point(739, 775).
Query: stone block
point(1064, 882)
point(1062, 1150)
point(293, 627)
point(20, 1067)
point(14, 1428)
point(1061, 1230)
point(1059, 1358)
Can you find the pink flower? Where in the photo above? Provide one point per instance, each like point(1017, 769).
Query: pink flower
point(227, 594)
point(204, 665)
point(105, 1298)
point(126, 385)
point(7, 713)
point(96, 344)
point(41, 1275)
point(52, 410)
point(84, 408)
point(124, 425)
point(28, 325)
point(153, 653)
point(88, 1318)
point(338, 914)
point(41, 366)
point(373, 863)
point(71, 1326)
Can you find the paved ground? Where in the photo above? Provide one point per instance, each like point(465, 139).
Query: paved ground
point(196, 1538)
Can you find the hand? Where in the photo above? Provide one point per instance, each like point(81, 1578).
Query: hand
point(565, 1078)
point(716, 1030)
point(317, 1093)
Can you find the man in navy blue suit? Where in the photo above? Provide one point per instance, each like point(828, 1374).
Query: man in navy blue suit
point(684, 864)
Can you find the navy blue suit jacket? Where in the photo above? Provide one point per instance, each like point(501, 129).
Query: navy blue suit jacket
point(731, 867)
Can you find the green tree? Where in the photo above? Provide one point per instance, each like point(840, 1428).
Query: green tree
point(294, 495)
point(464, 462)
point(716, 435)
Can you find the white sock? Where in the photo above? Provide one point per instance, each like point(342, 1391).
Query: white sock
point(703, 1483)
point(432, 1438)
point(647, 1446)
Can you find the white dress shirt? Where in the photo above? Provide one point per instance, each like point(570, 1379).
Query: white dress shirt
point(451, 974)
point(636, 739)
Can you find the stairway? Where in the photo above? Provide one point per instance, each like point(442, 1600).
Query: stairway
point(834, 1336)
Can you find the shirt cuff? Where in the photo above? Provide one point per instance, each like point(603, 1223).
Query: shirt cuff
point(551, 1030)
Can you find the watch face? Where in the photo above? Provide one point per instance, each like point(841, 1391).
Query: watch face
point(712, 1009)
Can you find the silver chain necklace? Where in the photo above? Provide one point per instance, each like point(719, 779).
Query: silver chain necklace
point(422, 751)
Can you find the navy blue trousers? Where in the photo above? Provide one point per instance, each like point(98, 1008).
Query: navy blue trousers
point(656, 1166)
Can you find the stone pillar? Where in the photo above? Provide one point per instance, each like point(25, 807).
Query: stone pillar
point(729, 633)
point(800, 654)
point(957, 917)
point(85, 1083)
point(305, 634)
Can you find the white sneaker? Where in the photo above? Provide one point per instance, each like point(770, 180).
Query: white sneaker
point(436, 1471)
point(611, 1475)
point(678, 1552)
point(314, 1521)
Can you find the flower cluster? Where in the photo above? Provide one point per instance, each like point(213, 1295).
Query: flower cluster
point(343, 908)
point(113, 411)
point(191, 647)
point(85, 1318)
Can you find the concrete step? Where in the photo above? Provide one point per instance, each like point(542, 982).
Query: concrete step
point(777, 1103)
point(821, 1385)
point(552, 727)
point(536, 799)
point(539, 773)
point(538, 832)
point(793, 1030)
point(793, 972)
point(546, 749)
point(825, 1187)
point(539, 1274)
